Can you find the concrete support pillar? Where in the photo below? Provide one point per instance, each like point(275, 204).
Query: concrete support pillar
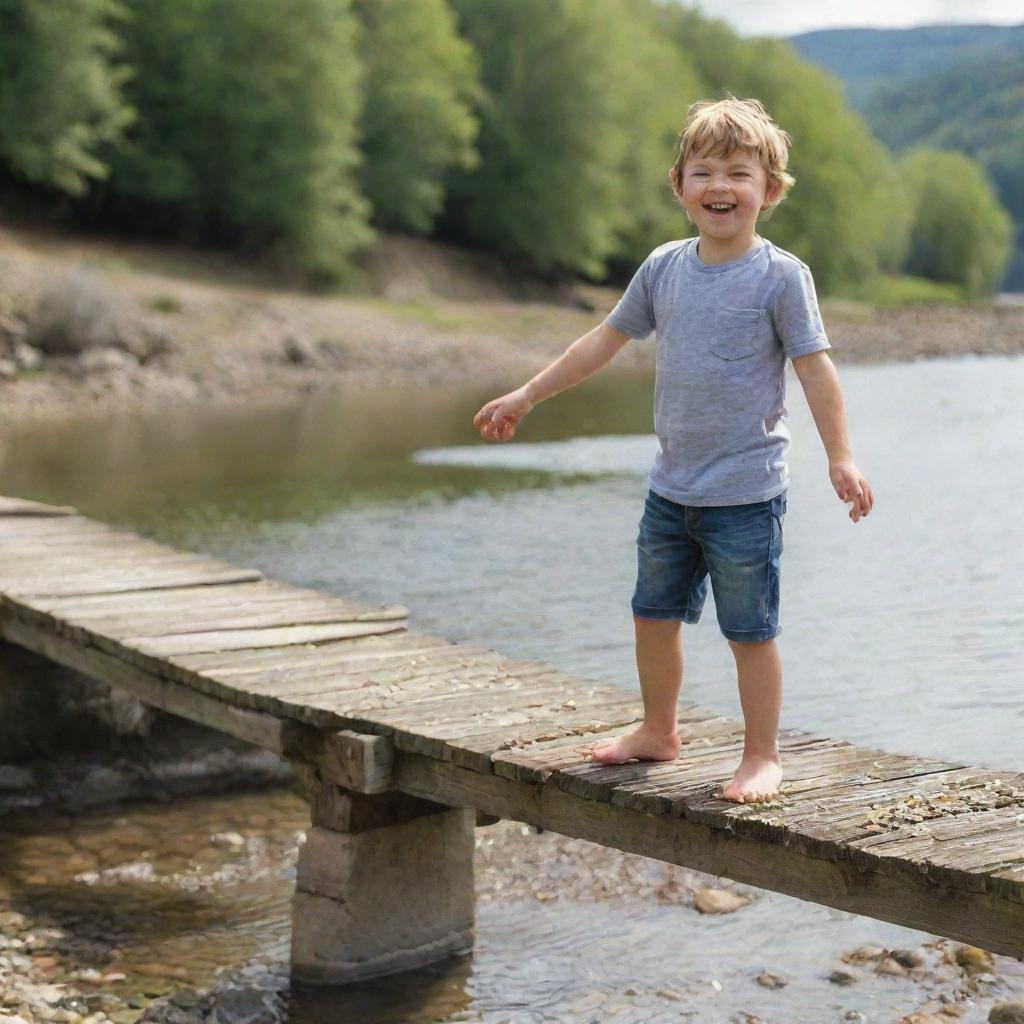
point(385, 884)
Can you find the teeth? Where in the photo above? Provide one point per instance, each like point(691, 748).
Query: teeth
point(720, 206)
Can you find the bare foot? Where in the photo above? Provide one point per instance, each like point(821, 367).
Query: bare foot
point(757, 778)
point(641, 744)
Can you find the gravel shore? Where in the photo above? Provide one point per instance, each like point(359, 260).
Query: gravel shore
point(425, 313)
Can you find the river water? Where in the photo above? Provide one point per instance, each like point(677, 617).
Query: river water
point(904, 631)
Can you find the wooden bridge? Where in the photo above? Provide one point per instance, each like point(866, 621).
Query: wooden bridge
point(406, 742)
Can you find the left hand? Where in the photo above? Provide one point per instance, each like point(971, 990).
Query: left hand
point(851, 486)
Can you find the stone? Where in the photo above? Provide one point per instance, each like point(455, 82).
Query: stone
point(908, 957)
point(228, 841)
point(862, 954)
point(890, 966)
point(8, 369)
point(300, 351)
point(973, 959)
point(246, 1006)
point(718, 901)
point(841, 977)
point(383, 900)
point(1006, 1013)
point(26, 357)
point(106, 359)
point(769, 980)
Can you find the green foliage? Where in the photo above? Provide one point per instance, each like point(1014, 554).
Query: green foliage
point(573, 118)
point(900, 290)
point(960, 232)
point(419, 91)
point(247, 130)
point(60, 92)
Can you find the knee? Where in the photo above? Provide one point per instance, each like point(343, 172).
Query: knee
point(738, 647)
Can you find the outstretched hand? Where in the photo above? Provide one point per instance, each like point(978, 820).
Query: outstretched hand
point(851, 487)
point(498, 419)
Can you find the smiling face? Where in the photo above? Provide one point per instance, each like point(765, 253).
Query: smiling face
point(723, 195)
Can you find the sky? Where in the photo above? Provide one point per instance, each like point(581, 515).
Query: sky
point(788, 17)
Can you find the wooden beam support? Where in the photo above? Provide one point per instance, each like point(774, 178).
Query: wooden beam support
point(884, 891)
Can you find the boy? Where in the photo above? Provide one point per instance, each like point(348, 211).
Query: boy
point(728, 309)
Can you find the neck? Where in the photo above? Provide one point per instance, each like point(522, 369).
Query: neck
point(712, 251)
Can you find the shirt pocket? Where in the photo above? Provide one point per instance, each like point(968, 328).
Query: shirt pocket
point(734, 332)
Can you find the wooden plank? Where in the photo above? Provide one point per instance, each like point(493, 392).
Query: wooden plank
point(24, 507)
point(986, 919)
point(438, 741)
point(355, 652)
point(264, 593)
point(275, 636)
point(142, 580)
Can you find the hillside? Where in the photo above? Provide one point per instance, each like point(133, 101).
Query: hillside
point(957, 87)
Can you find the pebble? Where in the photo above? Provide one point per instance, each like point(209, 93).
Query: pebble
point(718, 901)
point(843, 977)
point(908, 957)
point(856, 1016)
point(891, 966)
point(972, 959)
point(1007, 1013)
point(863, 953)
point(769, 980)
point(228, 840)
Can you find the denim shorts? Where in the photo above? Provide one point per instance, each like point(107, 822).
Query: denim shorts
point(738, 546)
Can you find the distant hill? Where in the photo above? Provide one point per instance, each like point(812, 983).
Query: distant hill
point(945, 86)
point(865, 59)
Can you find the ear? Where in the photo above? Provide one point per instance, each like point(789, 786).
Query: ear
point(673, 179)
point(772, 192)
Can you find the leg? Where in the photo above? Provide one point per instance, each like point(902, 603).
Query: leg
point(659, 662)
point(759, 673)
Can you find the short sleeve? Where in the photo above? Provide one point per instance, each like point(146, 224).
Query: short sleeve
point(797, 318)
point(634, 312)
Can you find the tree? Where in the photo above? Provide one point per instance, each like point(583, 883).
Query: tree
point(420, 88)
point(60, 90)
point(247, 130)
point(960, 231)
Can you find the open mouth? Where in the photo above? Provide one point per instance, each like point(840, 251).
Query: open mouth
point(721, 209)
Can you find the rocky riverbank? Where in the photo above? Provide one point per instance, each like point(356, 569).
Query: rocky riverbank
point(88, 325)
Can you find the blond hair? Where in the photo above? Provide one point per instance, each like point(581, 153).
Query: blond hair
point(720, 127)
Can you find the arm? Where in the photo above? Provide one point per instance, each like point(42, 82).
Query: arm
point(820, 382)
point(499, 418)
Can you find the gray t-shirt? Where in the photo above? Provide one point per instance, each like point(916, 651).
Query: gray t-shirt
point(724, 333)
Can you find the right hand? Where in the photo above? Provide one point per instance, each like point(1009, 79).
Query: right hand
point(499, 418)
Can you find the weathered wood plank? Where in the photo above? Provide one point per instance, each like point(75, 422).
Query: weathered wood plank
point(272, 636)
point(129, 581)
point(264, 593)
